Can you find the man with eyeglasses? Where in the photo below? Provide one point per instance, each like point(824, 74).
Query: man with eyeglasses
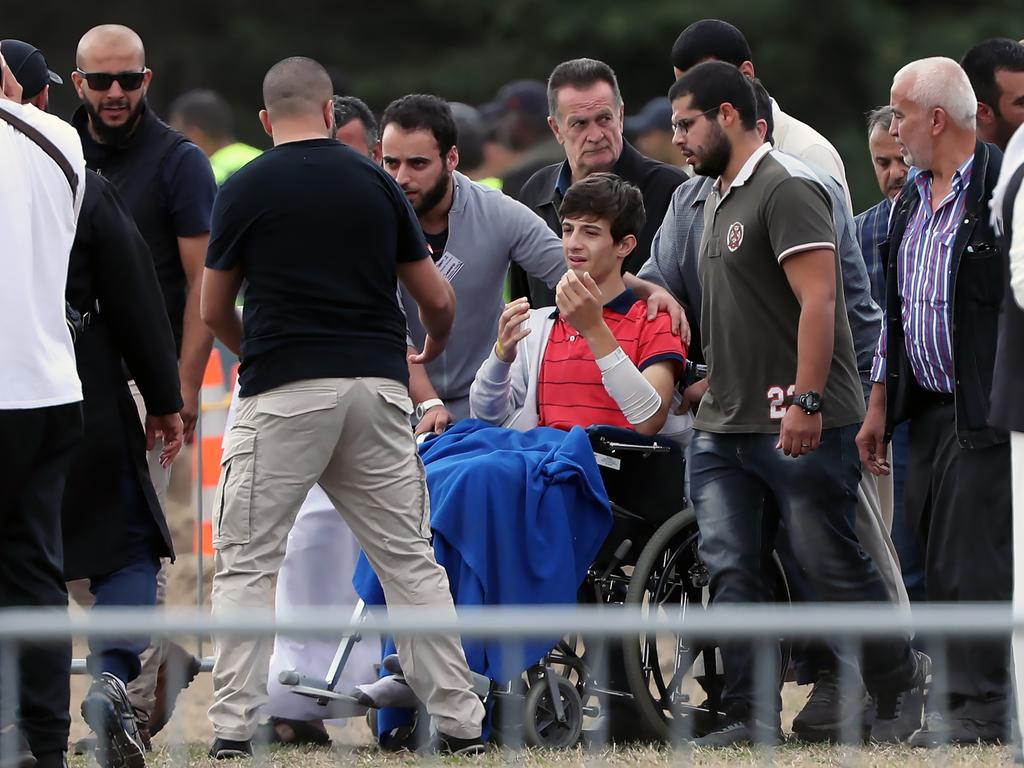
point(673, 264)
point(168, 186)
point(783, 401)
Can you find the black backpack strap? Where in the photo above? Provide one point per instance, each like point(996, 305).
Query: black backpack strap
point(46, 145)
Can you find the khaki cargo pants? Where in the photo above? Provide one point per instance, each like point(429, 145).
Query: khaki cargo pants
point(353, 437)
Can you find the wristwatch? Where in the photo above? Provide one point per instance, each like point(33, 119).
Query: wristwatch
point(426, 405)
point(810, 402)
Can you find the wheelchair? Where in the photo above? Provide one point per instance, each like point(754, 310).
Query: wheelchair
point(642, 687)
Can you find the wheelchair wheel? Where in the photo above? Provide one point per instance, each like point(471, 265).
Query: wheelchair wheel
point(670, 579)
point(541, 727)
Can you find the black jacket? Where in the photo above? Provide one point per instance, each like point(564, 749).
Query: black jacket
point(1008, 379)
point(978, 283)
point(110, 267)
point(656, 181)
point(135, 168)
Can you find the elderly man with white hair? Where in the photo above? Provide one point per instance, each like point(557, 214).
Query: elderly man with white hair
point(933, 368)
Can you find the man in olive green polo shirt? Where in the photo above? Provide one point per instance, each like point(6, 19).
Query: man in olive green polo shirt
point(784, 401)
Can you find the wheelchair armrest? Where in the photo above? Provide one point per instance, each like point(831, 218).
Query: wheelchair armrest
point(618, 440)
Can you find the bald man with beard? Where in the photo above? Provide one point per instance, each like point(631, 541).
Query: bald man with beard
point(168, 186)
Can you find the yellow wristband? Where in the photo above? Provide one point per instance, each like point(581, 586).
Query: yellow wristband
point(499, 350)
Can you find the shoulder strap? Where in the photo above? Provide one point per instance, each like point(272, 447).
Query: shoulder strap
point(46, 145)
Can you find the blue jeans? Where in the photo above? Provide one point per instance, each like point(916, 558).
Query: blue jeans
point(134, 584)
point(816, 495)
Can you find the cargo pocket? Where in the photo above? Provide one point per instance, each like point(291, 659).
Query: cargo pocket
point(396, 395)
point(232, 505)
point(296, 402)
point(424, 499)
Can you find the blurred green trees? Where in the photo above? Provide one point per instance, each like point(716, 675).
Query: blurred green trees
point(825, 62)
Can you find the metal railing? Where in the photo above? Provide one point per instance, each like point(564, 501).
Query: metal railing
point(847, 626)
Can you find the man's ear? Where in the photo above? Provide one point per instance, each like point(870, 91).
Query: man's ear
point(625, 246)
point(376, 153)
point(451, 160)
point(986, 115)
point(77, 80)
point(728, 112)
point(329, 117)
point(42, 99)
point(747, 68)
point(265, 122)
point(939, 120)
point(553, 125)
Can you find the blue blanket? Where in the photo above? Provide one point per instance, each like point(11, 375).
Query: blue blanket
point(518, 518)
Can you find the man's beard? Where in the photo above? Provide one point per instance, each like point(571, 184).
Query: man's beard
point(114, 134)
point(716, 156)
point(434, 195)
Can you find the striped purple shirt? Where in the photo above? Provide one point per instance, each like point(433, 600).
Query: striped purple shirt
point(924, 277)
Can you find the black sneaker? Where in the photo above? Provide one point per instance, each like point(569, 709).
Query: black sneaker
point(938, 731)
point(15, 751)
point(899, 715)
point(444, 744)
point(735, 732)
point(226, 749)
point(828, 715)
point(108, 713)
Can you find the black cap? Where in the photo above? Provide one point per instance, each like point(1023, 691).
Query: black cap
point(656, 115)
point(28, 66)
point(530, 96)
point(710, 39)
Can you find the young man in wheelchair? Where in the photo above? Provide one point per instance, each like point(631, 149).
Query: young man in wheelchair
point(595, 358)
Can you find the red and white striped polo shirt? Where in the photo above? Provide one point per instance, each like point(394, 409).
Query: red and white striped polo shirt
point(569, 390)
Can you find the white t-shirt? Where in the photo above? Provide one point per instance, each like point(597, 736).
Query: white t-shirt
point(37, 227)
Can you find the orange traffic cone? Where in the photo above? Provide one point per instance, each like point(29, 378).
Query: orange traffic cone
point(214, 400)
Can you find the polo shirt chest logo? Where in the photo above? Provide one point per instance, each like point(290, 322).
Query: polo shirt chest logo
point(734, 238)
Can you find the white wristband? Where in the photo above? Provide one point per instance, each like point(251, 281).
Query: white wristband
point(426, 405)
point(631, 391)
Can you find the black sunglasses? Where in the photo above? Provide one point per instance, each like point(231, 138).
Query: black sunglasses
point(102, 81)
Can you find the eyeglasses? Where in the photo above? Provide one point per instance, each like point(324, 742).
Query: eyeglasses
point(102, 81)
point(684, 125)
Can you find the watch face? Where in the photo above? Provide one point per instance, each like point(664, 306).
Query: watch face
point(812, 402)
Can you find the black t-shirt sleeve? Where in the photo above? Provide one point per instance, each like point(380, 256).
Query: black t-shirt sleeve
point(412, 246)
point(227, 227)
point(190, 189)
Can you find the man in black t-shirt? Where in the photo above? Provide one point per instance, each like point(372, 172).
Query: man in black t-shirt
point(321, 236)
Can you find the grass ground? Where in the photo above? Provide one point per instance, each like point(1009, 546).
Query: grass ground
point(194, 756)
point(188, 735)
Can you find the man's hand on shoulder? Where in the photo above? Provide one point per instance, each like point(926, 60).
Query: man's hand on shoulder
point(660, 299)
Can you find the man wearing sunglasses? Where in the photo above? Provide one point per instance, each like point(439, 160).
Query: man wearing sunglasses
point(168, 186)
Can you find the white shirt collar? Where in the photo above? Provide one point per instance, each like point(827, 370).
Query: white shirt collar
point(744, 173)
